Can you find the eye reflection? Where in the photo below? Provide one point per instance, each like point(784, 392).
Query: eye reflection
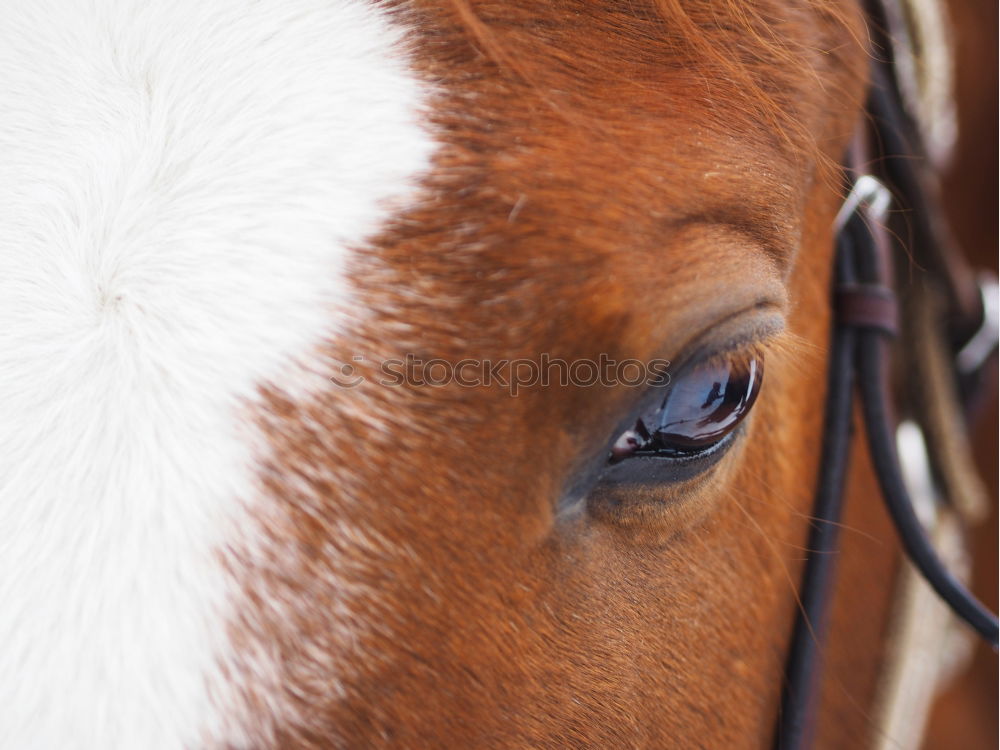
point(700, 408)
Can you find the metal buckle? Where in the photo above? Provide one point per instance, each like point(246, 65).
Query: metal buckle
point(867, 192)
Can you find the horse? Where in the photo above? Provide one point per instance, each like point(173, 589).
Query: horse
point(355, 362)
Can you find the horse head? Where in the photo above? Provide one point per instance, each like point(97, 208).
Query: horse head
point(424, 374)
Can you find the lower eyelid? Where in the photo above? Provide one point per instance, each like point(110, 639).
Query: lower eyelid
point(659, 470)
point(657, 495)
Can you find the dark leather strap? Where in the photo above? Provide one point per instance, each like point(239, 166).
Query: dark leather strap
point(866, 311)
point(867, 306)
point(803, 668)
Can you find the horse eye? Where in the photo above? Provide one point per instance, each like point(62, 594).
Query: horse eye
point(701, 407)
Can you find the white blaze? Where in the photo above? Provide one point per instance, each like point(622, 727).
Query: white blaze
point(180, 185)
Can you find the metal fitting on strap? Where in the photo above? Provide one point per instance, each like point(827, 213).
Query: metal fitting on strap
point(869, 193)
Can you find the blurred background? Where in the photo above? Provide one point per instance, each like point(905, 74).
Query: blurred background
point(965, 715)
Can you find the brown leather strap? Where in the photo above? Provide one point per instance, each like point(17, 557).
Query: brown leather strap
point(868, 306)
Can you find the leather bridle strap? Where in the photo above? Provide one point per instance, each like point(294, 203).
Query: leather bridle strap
point(872, 359)
point(930, 246)
point(865, 316)
point(803, 662)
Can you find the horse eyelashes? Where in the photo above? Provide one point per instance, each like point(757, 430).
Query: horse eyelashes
point(700, 408)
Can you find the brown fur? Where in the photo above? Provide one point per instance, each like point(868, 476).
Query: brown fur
point(617, 178)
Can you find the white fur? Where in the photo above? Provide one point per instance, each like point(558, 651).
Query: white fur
point(180, 184)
